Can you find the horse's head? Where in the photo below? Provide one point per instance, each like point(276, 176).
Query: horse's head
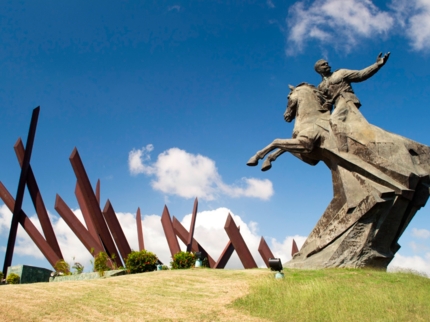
point(305, 93)
point(290, 112)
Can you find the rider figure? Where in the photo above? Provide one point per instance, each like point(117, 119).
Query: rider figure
point(336, 87)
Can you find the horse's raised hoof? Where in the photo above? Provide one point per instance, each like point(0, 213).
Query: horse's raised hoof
point(253, 161)
point(267, 165)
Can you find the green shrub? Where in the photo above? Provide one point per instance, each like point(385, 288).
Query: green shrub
point(62, 267)
point(139, 262)
point(12, 278)
point(205, 262)
point(164, 268)
point(78, 267)
point(183, 260)
point(1, 275)
point(101, 263)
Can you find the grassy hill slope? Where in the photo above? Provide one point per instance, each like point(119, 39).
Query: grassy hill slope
point(339, 295)
point(224, 295)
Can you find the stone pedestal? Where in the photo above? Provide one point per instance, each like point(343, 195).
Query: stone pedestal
point(30, 274)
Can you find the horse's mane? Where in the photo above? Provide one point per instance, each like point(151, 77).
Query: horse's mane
point(304, 83)
point(319, 95)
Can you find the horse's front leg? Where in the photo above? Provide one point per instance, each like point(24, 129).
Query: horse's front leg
point(253, 161)
point(302, 145)
point(267, 164)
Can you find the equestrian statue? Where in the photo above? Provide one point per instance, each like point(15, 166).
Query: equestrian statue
point(380, 179)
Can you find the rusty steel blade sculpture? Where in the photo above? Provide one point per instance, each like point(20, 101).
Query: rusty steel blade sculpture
point(103, 232)
point(139, 230)
point(98, 191)
point(294, 248)
point(30, 229)
point(20, 191)
point(90, 243)
point(38, 203)
point(193, 222)
point(265, 251)
point(93, 207)
point(116, 230)
point(86, 215)
point(172, 241)
point(225, 255)
point(239, 244)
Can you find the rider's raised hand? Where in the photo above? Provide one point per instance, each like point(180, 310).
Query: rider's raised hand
point(382, 60)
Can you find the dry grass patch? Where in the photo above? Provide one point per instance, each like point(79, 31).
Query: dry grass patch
point(182, 295)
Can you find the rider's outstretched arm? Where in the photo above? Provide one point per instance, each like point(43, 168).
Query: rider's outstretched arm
point(356, 76)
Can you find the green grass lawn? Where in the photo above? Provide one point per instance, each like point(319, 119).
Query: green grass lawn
point(339, 295)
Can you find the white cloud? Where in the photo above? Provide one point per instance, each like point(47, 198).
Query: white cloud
point(254, 188)
point(5, 218)
point(420, 233)
point(418, 247)
point(412, 263)
point(187, 175)
point(270, 4)
point(337, 22)
point(416, 263)
point(343, 23)
point(414, 15)
point(283, 250)
point(136, 159)
point(175, 7)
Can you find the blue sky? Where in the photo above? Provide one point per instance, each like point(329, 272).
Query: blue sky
point(167, 100)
